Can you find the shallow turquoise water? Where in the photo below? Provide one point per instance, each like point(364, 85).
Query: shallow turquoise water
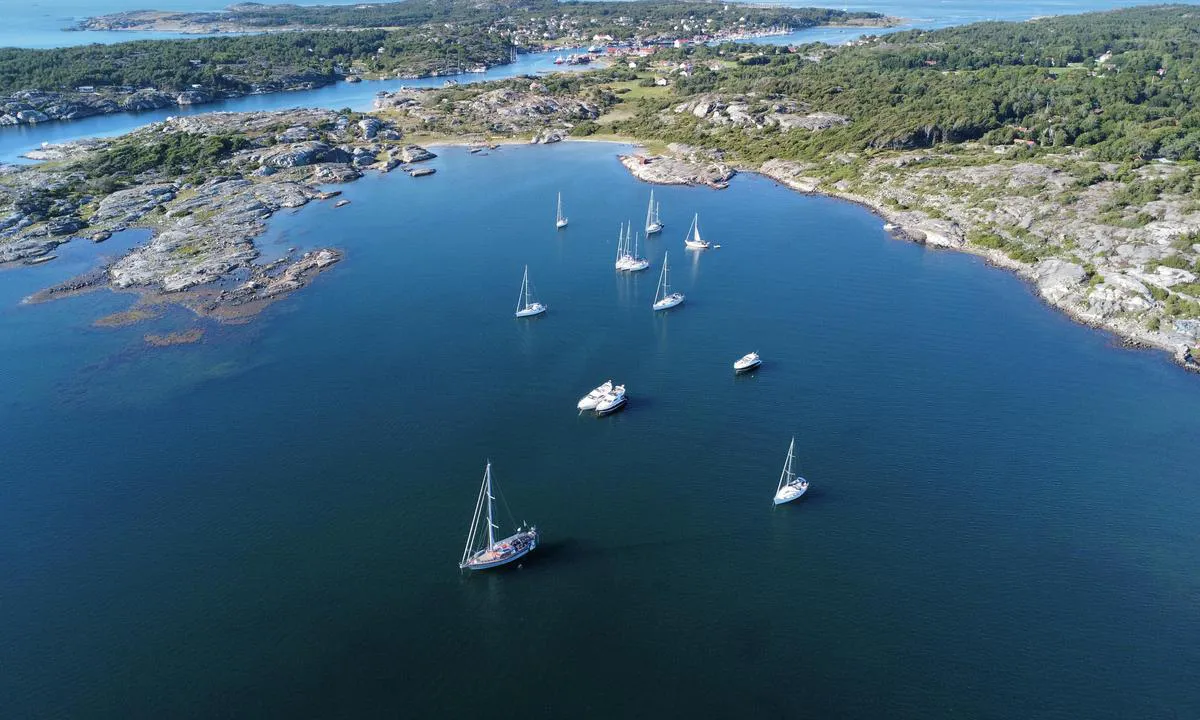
point(1002, 520)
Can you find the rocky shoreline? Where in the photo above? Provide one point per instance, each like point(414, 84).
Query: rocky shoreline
point(30, 107)
point(1056, 282)
point(202, 254)
point(203, 257)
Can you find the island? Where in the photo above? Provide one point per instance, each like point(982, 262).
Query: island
point(1073, 162)
point(294, 47)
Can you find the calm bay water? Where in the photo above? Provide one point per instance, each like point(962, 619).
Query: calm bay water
point(1002, 523)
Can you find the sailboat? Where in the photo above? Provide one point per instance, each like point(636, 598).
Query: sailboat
point(526, 305)
point(561, 221)
point(623, 258)
point(663, 297)
point(693, 241)
point(653, 221)
point(483, 550)
point(634, 263)
point(791, 486)
point(627, 252)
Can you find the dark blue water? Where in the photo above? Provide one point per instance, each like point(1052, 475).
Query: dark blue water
point(1002, 521)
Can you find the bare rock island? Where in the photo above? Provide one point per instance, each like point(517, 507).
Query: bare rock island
point(202, 253)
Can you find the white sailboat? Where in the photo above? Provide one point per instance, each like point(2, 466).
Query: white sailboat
point(747, 362)
point(561, 221)
point(791, 486)
point(627, 251)
point(622, 254)
point(483, 550)
point(592, 399)
point(663, 297)
point(693, 241)
point(526, 305)
point(653, 221)
point(635, 263)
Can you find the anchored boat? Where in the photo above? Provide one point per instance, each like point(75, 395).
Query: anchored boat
point(664, 299)
point(526, 305)
point(654, 223)
point(627, 252)
point(483, 550)
point(560, 221)
point(612, 401)
point(592, 399)
point(747, 363)
point(791, 486)
point(693, 241)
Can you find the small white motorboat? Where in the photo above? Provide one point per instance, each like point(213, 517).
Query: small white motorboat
point(791, 485)
point(747, 363)
point(612, 402)
point(592, 399)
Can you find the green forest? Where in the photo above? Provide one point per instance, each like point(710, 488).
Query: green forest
point(421, 12)
point(1041, 81)
point(235, 63)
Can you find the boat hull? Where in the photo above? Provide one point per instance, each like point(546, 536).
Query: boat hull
point(531, 310)
point(696, 246)
point(560, 224)
point(669, 302)
point(740, 368)
point(790, 493)
point(603, 410)
point(654, 228)
point(521, 545)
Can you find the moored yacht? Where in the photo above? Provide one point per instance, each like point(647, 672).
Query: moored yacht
point(627, 252)
point(791, 485)
point(663, 297)
point(526, 305)
point(612, 402)
point(560, 221)
point(654, 222)
point(693, 241)
point(483, 550)
point(747, 362)
point(592, 399)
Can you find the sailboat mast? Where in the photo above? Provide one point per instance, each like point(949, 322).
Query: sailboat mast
point(785, 476)
point(488, 479)
point(662, 280)
point(474, 523)
point(650, 210)
point(559, 216)
point(523, 297)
